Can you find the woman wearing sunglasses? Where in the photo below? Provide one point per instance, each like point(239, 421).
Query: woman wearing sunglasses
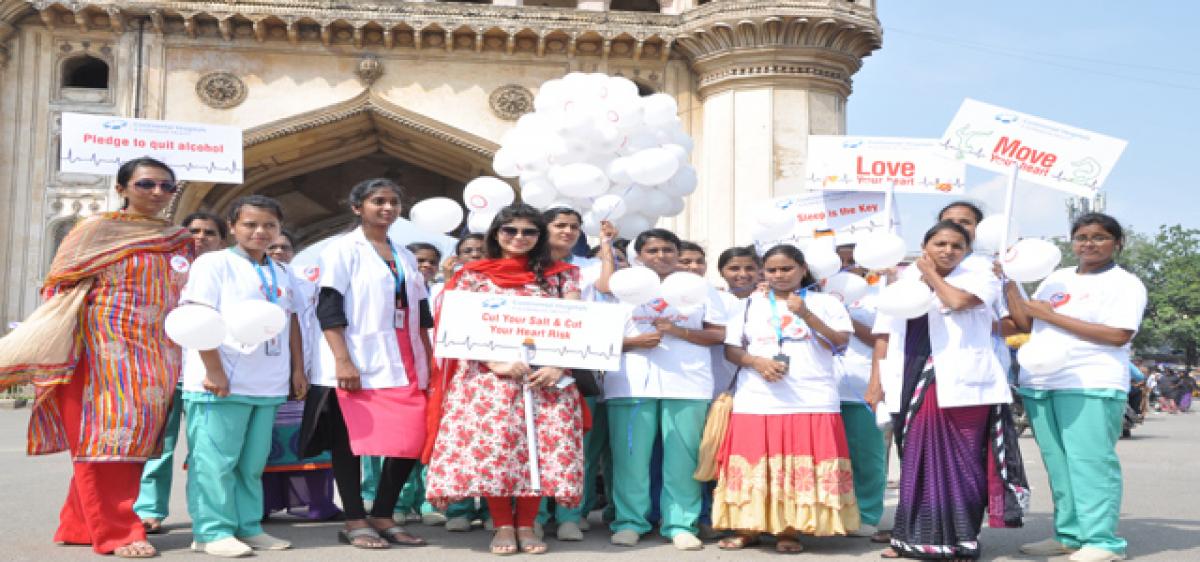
point(477, 444)
point(115, 277)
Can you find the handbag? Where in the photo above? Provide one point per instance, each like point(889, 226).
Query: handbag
point(717, 422)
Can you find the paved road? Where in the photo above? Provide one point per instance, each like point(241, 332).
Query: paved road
point(1161, 515)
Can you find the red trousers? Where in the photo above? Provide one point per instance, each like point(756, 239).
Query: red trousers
point(99, 506)
point(501, 508)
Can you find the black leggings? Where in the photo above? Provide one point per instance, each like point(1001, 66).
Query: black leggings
point(347, 472)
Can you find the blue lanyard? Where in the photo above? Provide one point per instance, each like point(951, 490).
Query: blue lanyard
point(272, 290)
point(776, 321)
point(394, 267)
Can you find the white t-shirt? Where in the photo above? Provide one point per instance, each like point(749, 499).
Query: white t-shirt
point(853, 369)
point(810, 385)
point(223, 280)
point(723, 370)
point(673, 369)
point(589, 272)
point(1114, 298)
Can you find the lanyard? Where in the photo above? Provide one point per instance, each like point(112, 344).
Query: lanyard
point(394, 267)
point(776, 321)
point(271, 290)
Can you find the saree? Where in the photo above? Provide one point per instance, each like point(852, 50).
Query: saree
point(111, 283)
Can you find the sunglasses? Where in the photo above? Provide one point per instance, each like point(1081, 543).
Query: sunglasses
point(512, 232)
point(167, 186)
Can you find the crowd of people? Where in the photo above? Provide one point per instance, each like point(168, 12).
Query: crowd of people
point(819, 389)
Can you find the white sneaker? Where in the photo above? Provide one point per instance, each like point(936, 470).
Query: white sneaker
point(625, 538)
point(458, 524)
point(569, 531)
point(864, 530)
point(265, 542)
point(1048, 547)
point(433, 519)
point(687, 541)
point(1093, 554)
point(227, 547)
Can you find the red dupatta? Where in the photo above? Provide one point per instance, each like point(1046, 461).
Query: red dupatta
point(506, 273)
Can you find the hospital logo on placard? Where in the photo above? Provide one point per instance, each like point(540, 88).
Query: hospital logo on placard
point(1059, 299)
point(180, 264)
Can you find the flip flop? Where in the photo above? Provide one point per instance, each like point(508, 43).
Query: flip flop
point(788, 546)
point(737, 542)
point(882, 536)
point(392, 534)
point(533, 546)
point(124, 551)
point(153, 526)
point(503, 547)
point(352, 537)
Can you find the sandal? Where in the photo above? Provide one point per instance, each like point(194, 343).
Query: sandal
point(882, 536)
point(136, 549)
point(504, 546)
point(737, 542)
point(889, 553)
point(152, 525)
point(397, 535)
point(530, 543)
point(787, 545)
point(363, 537)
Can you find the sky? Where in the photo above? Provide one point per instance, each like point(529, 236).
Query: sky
point(1126, 70)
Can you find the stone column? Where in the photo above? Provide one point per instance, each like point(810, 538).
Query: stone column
point(765, 82)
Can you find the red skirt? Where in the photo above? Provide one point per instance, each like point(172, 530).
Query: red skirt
point(387, 422)
point(785, 473)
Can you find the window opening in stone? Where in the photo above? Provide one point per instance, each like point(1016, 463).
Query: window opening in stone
point(85, 72)
point(635, 5)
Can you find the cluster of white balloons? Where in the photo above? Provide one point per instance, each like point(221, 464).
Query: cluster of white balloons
point(639, 285)
point(195, 326)
point(1026, 261)
point(595, 145)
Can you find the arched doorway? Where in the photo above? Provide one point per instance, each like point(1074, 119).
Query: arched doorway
point(310, 161)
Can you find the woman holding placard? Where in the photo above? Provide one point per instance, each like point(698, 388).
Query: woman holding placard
point(663, 388)
point(951, 380)
point(784, 465)
point(477, 444)
point(367, 396)
point(1088, 316)
point(99, 357)
point(230, 393)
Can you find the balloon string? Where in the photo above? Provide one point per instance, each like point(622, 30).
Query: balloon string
point(627, 190)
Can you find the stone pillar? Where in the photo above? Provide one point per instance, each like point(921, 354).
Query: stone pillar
point(765, 82)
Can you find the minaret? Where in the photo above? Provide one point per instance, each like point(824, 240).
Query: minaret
point(768, 74)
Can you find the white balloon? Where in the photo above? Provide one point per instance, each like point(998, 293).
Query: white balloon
point(579, 180)
point(436, 214)
point(560, 203)
point(906, 298)
point(680, 152)
point(480, 221)
point(1031, 260)
point(1042, 356)
point(684, 291)
point(195, 326)
point(683, 183)
point(637, 141)
point(621, 89)
point(618, 170)
point(653, 166)
point(609, 207)
point(635, 285)
point(488, 194)
point(591, 224)
point(633, 224)
point(252, 322)
point(550, 96)
point(879, 250)
point(539, 193)
point(822, 261)
point(846, 287)
point(653, 202)
point(988, 232)
point(660, 109)
point(773, 217)
point(505, 163)
point(677, 206)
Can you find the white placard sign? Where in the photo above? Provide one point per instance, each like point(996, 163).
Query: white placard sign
point(847, 212)
point(1050, 154)
point(846, 163)
point(558, 332)
point(98, 144)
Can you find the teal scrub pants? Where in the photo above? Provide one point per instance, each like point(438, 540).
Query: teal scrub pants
point(868, 460)
point(1077, 432)
point(372, 468)
point(595, 449)
point(154, 497)
point(633, 424)
point(412, 494)
point(229, 442)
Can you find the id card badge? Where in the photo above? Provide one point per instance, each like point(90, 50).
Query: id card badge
point(401, 315)
point(273, 348)
point(786, 360)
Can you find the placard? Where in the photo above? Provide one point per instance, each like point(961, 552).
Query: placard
point(1051, 154)
point(557, 332)
point(99, 144)
point(815, 212)
point(914, 165)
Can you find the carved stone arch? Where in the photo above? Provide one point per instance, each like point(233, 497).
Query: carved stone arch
point(364, 127)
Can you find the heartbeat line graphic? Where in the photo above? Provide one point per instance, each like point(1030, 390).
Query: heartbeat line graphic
point(561, 351)
point(210, 167)
point(923, 182)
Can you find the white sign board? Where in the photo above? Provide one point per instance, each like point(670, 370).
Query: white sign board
point(557, 332)
point(873, 163)
point(1051, 154)
point(98, 144)
point(851, 213)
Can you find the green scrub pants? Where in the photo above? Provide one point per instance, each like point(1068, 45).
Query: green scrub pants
point(868, 460)
point(229, 443)
point(595, 450)
point(1077, 432)
point(633, 424)
point(154, 497)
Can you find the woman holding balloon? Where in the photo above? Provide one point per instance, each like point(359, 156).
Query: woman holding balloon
point(373, 363)
point(663, 388)
point(951, 381)
point(1075, 380)
point(784, 467)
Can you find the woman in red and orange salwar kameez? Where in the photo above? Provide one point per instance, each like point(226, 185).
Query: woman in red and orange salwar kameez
point(98, 355)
